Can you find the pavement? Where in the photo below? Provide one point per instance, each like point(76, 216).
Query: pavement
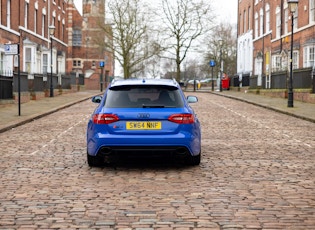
point(34, 109)
point(302, 110)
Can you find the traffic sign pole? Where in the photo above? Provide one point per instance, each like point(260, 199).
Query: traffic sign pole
point(212, 64)
point(19, 82)
point(102, 64)
point(14, 49)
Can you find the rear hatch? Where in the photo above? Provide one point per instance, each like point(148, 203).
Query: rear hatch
point(145, 109)
point(153, 121)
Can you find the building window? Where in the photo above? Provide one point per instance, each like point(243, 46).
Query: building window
point(76, 38)
point(249, 18)
point(240, 24)
point(309, 56)
point(261, 22)
point(244, 22)
point(28, 60)
point(286, 21)
point(43, 25)
point(276, 63)
point(278, 23)
point(312, 11)
point(59, 28)
point(284, 61)
point(295, 60)
point(35, 21)
point(256, 25)
point(267, 18)
point(45, 63)
point(53, 22)
point(1, 63)
point(6, 65)
point(295, 18)
point(62, 31)
point(9, 13)
point(76, 63)
point(26, 15)
point(258, 66)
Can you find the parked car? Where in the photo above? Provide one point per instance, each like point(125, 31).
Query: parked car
point(143, 118)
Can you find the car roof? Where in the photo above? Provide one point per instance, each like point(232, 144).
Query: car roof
point(150, 81)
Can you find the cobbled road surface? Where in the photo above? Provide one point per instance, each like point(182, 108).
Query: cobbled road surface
point(257, 172)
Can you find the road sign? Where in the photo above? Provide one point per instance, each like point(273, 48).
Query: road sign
point(11, 49)
point(102, 64)
point(212, 63)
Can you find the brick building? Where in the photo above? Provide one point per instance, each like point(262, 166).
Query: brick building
point(57, 60)
point(27, 23)
point(87, 50)
point(264, 42)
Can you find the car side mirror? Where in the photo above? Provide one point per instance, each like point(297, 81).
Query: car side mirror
point(97, 99)
point(192, 99)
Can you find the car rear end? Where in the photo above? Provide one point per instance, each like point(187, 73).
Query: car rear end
point(134, 120)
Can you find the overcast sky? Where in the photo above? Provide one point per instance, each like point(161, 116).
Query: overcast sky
point(225, 9)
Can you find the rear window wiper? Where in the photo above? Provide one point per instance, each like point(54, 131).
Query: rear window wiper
point(152, 106)
point(157, 106)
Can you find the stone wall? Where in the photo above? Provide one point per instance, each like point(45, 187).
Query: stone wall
point(303, 95)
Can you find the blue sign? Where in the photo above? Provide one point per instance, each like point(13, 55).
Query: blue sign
point(102, 64)
point(212, 63)
point(11, 49)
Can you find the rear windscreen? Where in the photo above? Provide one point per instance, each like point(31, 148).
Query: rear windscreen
point(143, 96)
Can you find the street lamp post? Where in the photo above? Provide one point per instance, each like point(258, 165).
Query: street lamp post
point(212, 82)
point(293, 6)
point(51, 34)
point(221, 70)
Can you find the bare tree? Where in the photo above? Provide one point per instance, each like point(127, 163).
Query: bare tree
point(184, 22)
point(130, 32)
point(153, 67)
point(227, 34)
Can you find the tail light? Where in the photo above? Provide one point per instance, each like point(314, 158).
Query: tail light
point(103, 119)
point(182, 118)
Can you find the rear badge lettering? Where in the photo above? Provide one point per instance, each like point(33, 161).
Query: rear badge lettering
point(143, 115)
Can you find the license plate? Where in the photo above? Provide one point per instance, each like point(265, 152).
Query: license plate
point(143, 125)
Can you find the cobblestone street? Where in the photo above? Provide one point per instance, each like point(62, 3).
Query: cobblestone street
point(256, 172)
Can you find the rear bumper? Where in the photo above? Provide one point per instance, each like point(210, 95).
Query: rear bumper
point(178, 144)
point(113, 153)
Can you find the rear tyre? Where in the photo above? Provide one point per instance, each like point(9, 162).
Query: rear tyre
point(95, 161)
point(194, 160)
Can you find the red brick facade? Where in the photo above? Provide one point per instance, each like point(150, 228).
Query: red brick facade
point(86, 55)
point(27, 23)
point(270, 24)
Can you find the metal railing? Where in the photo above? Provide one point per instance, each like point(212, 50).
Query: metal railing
point(36, 83)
